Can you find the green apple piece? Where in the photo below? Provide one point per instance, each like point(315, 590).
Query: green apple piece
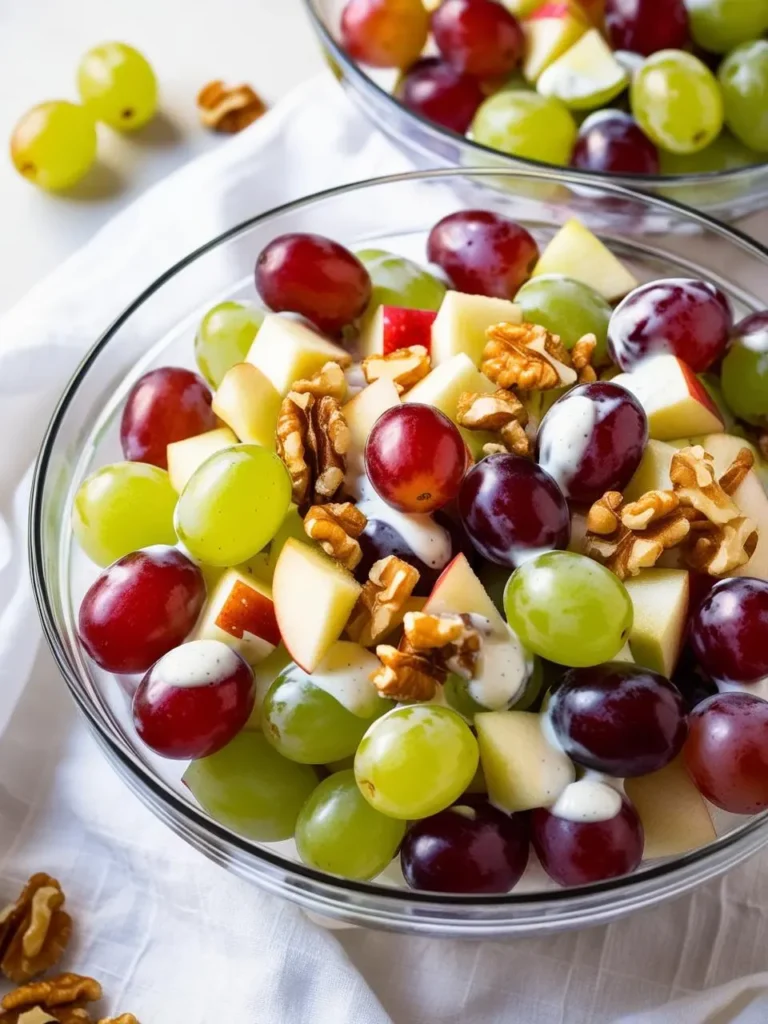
point(674, 399)
point(292, 526)
point(673, 813)
point(550, 30)
point(459, 591)
point(462, 321)
point(362, 411)
point(577, 253)
point(653, 472)
point(568, 308)
point(248, 403)
point(586, 76)
point(522, 769)
point(286, 350)
point(661, 598)
point(398, 281)
point(185, 456)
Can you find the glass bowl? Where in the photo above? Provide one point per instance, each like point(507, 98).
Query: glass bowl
point(157, 329)
point(728, 195)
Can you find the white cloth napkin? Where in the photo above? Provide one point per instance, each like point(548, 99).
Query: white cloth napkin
point(173, 938)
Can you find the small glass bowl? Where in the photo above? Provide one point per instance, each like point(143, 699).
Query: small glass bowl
point(158, 329)
point(728, 195)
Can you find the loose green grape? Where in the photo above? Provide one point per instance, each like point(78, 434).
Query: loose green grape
point(719, 25)
point(398, 281)
point(677, 102)
point(568, 308)
point(527, 125)
point(118, 86)
point(745, 371)
point(233, 505)
point(54, 144)
point(251, 789)
point(415, 761)
point(121, 508)
point(743, 77)
point(338, 831)
point(568, 609)
point(224, 337)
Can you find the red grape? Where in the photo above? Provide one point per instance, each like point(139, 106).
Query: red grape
point(580, 852)
point(611, 141)
point(315, 277)
point(592, 440)
point(691, 680)
point(645, 26)
point(727, 751)
point(483, 253)
point(468, 848)
point(415, 458)
point(511, 509)
point(440, 93)
point(165, 405)
point(194, 700)
point(478, 37)
point(139, 608)
point(381, 538)
point(618, 718)
point(679, 316)
point(729, 630)
point(384, 33)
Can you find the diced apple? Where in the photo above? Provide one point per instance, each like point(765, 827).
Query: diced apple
point(673, 813)
point(462, 321)
point(459, 590)
point(586, 76)
point(675, 401)
point(394, 327)
point(522, 769)
point(249, 404)
point(286, 350)
point(577, 253)
point(291, 526)
point(520, 8)
point(625, 654)
point(258, 568)
point(314, 597)
point(653, 472)
point(550, 30)
point(240, 612)
point(362, 411)
point(661, 599)
point(185, 456)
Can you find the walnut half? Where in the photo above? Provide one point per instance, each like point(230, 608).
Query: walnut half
point(528, 357)
point(501, 412)
point(34, 931)
point(383, 600)
point(229, 109)
point(336, 528)
point(312, 440)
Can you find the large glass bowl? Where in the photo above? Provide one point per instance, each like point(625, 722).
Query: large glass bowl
point(158, 329)
point(728, 195)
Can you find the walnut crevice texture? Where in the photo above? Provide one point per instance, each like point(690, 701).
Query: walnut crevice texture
point(229, 109)
point(312, 440)
point(530, 358)
point(501, 412)
point(383, 600)
point(336, 528)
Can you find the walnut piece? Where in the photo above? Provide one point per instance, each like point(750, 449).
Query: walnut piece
point(329, 380)
point(406, 676)
point(737, 472)
point(501, 412)
point(61, 990)
point(383, 599)
point(692, 473)
point(404, 367)
point(452, 641)
point(336, 528)
point(626, 550)
point(582, 355)
point(228, 109)
point(34, 931)
point(650, 508)
point(603, 518)
point(124, 1018)
point(312, 440)
point(528, 357)
point(718, 549)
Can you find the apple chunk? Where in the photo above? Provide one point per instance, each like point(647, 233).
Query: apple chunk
point(675, 401)
point(577, 253)
point(586, 76)
point(362, 411)
point(551, 29)
point(249, 404)
point(394, 327)
point(660, 598)
point(522, 769)
point(240, 612)
point(286, 350)
point(673, 813)
point(653, 472)
point(185, 456)
point(459, 590)
point(314, 597)
point(462, 321)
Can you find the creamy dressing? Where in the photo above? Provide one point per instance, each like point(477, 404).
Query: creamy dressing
point(569, 428)
point(758, 689)
point(502, 670)
point(567, 374)
point(587, 800)
point(197, 663)
point(346, 675)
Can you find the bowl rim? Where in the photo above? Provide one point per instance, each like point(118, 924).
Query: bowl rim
point(638, 181)
point(142, 779)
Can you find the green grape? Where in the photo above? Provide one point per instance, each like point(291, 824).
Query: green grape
point(713, 387)
point(677, 102)
point(568, 609)
point(745, 373)
point(251, 789)
point(725, 153)
point(568, 308)
point(121, 508)
point(338, 831)
point(416, 760)
point(743, 77)
point(456, 692)
point(224, 337)
point(118, 86)
point(307, 724)
point(398, 281)
point(527, 125)
point(494, 579)
point(719, 25)
point(54, 144)
point(233, 505)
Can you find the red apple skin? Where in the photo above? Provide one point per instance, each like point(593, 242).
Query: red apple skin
point(403, 328)
point(246, 610)
point(556, 9)
point(697, 390)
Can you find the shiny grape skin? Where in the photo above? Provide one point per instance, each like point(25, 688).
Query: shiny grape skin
point(727, 752)
point(511, 508)
point(618, 718)
point(139, 608)
point(441, 94)
point(468, 848)
point(165, 405)
point(729, 630)
point(679, 316)
point(379, 540)
point(610, 141)
point(645, 26)
point(384, 33)
point(691, 680)
point(577, 852)
point(315, 277)
point(478, 37)
point(483, 253)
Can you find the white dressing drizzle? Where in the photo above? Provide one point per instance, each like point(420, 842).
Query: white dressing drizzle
point(569, 428)
point(197, 663)
point(590, 799)
point(346, 675)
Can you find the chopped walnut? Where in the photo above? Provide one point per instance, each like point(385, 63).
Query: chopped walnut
point(603, 518)
point(383, 599)
point(312, 440)
point(34, 931)
point(229, 110)
point(582, 355)
point(406, 676)
point(737, 472)
point(404, 367)
point(717, 549)
point(62, 990)
point(624, 550)
point(329, 380)
point(336, 528)
point(124, 1018)
point(650, 508)
point(528, 357)
point(453, 642)
point(692, 473)
point(55, 1015)
point(500, 412)
point(492, 448)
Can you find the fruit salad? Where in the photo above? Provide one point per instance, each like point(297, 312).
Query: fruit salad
point(643, 87)
point(447, 570)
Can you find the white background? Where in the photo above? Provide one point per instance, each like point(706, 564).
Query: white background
point(268, 43)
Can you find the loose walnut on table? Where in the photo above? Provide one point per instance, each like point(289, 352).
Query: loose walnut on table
point(34, 931)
